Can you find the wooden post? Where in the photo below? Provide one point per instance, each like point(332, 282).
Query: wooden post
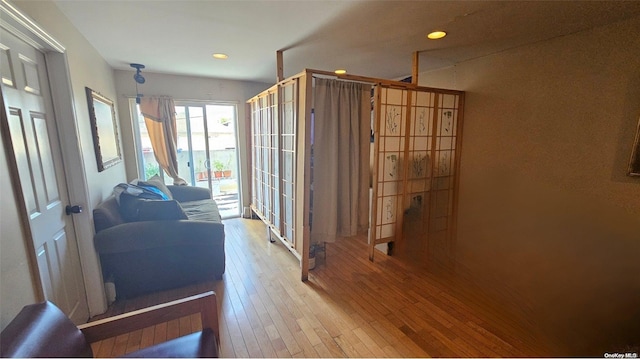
point(414, 69)
point(376, 167)
point(280, 66)
point(303, 171)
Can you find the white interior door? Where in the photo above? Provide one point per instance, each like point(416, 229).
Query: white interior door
point(35, 142)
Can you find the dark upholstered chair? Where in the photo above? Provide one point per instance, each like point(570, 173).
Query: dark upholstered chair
point(42, 330)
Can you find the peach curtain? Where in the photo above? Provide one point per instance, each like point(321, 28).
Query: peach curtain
point(160, 117)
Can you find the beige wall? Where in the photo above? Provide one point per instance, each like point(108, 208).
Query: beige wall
point(87, 68)
point(185, 88)
point(548, 221)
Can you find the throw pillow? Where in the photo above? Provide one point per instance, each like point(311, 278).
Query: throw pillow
point(128, 197)
point(156, 182)
point(128, 205)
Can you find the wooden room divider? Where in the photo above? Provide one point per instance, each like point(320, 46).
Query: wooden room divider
point(417, 137)
point(416, 150)
point(279, 126)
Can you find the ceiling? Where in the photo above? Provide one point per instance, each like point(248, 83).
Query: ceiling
point(369, 38)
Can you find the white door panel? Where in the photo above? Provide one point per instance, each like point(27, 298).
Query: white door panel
point(37, 153)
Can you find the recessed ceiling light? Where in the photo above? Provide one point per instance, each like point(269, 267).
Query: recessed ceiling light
point(437, 35)
point(340, 72)
point(220, 56)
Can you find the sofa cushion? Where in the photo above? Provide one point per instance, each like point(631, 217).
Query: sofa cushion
point(131, 197)
point(189, 193)
point(135, 209)
point(130, 189)
point(202, 210)
point(128, 207)
point(156, 182)
point(152, 210)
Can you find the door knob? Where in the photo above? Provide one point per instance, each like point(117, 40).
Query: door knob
point(72, 209)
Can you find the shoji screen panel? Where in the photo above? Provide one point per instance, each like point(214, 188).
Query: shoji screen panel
point(274, 158)
point(274, 134)
point(390, 148)
point(445, 173)
point(288, 129)
point(257, 159)
point(419, 171)
point(416, 159)
point(265, 155)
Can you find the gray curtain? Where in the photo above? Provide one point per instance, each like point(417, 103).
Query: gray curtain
point(160, 117)
point(342, 113)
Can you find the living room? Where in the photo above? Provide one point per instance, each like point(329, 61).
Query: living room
point(546, 209)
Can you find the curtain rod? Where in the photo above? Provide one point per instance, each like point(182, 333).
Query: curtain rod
point(373, 81)
point(186, 100)
point(334, 77)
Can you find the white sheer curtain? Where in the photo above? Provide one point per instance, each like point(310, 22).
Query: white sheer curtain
point(342, 113)
point(160, 117)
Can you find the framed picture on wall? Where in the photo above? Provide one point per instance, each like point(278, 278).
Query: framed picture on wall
point(104, 128)
point(634, 163)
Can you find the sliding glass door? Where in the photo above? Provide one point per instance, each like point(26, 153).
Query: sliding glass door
point(207, 151)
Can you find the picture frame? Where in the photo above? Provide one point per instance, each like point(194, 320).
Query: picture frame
point(104, 129)
point(634, 161)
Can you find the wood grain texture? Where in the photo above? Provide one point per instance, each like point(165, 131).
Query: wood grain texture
point(176, 315)
point(349, 307)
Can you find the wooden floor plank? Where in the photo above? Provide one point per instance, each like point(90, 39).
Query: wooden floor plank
point(160, 333)
point(95, 346)
point(173, 329)
point(106, 347)
point(134, 340)
point(226, 348)
point(349, 307)
point(148, 337)
point(329, 344)
point(370, 344)
point(120, 345)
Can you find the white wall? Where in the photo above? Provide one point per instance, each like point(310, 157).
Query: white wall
point(185, 88)
point(548, 221)
point(87, 68)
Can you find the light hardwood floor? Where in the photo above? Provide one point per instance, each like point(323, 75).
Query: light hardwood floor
point(350, 307)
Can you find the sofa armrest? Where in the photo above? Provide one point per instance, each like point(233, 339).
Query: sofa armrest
point(204, 303)
point(189, 193)
point(135, 236)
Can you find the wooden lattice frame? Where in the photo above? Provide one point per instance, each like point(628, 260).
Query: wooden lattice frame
point(294, 230)
point(417, 135)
